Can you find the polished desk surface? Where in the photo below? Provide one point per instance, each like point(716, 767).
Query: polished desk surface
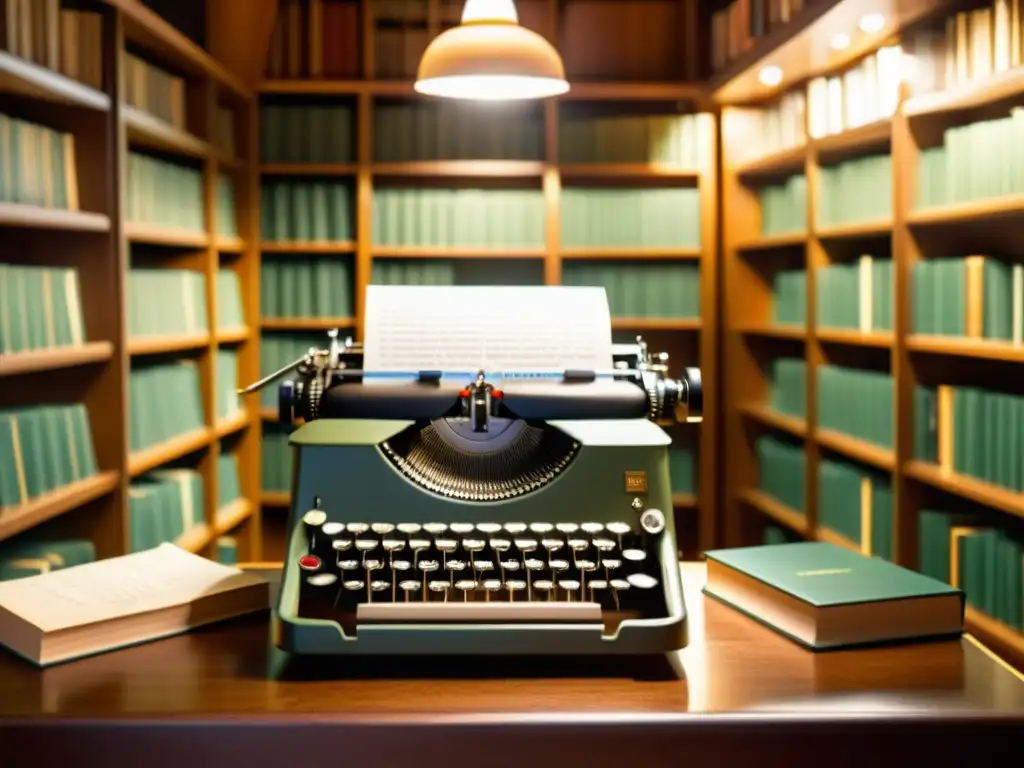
point(764, 692)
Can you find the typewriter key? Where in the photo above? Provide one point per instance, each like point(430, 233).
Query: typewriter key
point(492, 585)
point(558, 565)
point(586, 565)
point(570, 586)
point(474, 545)
point(618, 585)
point(544, 586)
point(542, 527)
point(310, 563)
point(373, 565)
point(599, 586)
point(462, 528)
point(604, 545)
point(642, 581)
point(366, 545)
point(526, 545)
point(515, 528)
point(446, 545)
point(611, 563)
point(427, 566)
point(619, 529)
point(353, 585)
point(455, 566)
point(408, 586)
point(379, 585)
point(483, 565)
point(592, 528)
point(488, 528)
point(510, 565)
point(439, 586)
point(418, 545)
point(513, 586)
point(332, 529)
point(315, 518)
point(552, 545)
point(340, 545)
point(567, 527)
point(465, 586)
point(500, 545)
point(533, 564)
point(578, 545)
point(382, 529)
point(348, 565)
point(321, 579)
point(358, 528)
point(393, 545)
point(410, 528)
point(634, 555)
point(401, 565)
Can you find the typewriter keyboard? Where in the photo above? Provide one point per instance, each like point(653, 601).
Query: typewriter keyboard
point(409, 572)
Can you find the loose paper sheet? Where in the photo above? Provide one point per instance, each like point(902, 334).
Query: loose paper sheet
point(119, 586)
point(491, 328)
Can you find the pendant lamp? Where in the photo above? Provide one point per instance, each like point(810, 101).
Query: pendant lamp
point(489, 57)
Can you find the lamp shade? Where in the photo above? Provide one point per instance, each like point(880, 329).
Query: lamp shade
point(489, 57)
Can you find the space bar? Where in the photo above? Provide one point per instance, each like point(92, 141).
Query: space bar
point(478, 612)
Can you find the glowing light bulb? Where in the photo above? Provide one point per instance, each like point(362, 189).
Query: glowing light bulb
point(770, 76)
point(490, 10)
point(840, 42)
point(872, 23)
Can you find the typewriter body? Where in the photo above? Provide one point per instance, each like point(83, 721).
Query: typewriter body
point(443, 512)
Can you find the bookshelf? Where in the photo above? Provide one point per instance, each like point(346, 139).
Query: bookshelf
point(873, 303)
point(125, 207)
point(505, 191)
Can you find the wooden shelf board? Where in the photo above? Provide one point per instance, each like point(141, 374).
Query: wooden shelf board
point(233, 335)
point(867, 136)
point(159, 345)
point(796, 332)
point(231, 424)
point(14, 520)
point(970, 212)
point(877, 456)
point(1002, 499)
point(774, 242)
point(656, 324)
point(834, 537)
point(966, 347)
point(228, 244)
point(761, 501)
point(53, 359)
point(37, 217)
point(781, 421)
point(778, 163)
point(339, 87)
point(627, 252)
point(275, 498)
point(990, 90)
point(147, 130)
point(856, 230)
point(28, 79)
point(453, 252)
point(995, 635)
point(882, 339)
point(196, 539)
point(682, 500)
point(308, 169)
point(231, 515)
point(342, 246)
point(306, 323)
point(228, 163)
point(651, 171)
point(143, 461)
point(524, 169)
point(139, 232)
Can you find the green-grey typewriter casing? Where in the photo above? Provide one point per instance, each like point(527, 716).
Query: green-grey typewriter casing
point(341, 461)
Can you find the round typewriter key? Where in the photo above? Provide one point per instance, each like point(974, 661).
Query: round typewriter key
point(513, 586)
point(634, 555)
point(567, 527)
point(642, 581)
point(543, 585)
point(592, 528)
point(483, 565)
point(310, 563)
point(366, 545)
point(474, 545)
point(332, 529)
point(456, 565)
point(428, 566)
point(321, 579)
point(393, 545)
point(578, 545)
point(526, 545)
point(465, 586)
point(619, 529)
point(570, 586)
point(586, 565)
point(619, 585)
point(500, 545)
point(315, 518)
point(492, 585)
point(509, 565)
point(408, 586)
point(437, 586)
point(515, 528)
point(446, 545)
point(348, 565)
point(373, 565)
point(611, 563)
point(558, 565)
point(401, 565)
point(354, 585)
point(488, 528)
point(552, 545)
point(411, 528)
point(461, 528)
point(379, 585)
point(542, 527)
point(533, 564)
point(604, 545)
point(597, 585)
point(382, 529)
point(653, 521)
point(417, 545)
point(357, 528)
point(340, 545)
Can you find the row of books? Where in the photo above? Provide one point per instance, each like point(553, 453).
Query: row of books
point(164, 302)
point(37, 165)
point(155, 91)
point(227, 214)
point(465, 217)
point(972, 296)
point(858, 504)
point(482, 271)
point(164, 401)
point(737, 27)
point(40, 308)
point(280, 349)
point(788, 386)
point(163, 193)
point(662, 288)
point(163, 505)
point(43, 448)
point(856, 295)
point(230, 312)
point(674, 141)
point(668, 217)
point(227, 402)
point(781, 126)
point(307, 133)
point(855, 190)
point(789, 297)
point(315, 39)
point(397, 52)
point(866, 93)
point(784, 206)
point(857, 402)
point(304, 211)
point(276, 459)
point(979, 160)
point(990, 568)
point(982, 441)
point(65, 40)
point(782, 471)
point(26, 556)
point(307, 287)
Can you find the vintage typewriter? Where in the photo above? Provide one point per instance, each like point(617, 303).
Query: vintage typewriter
point(436, 511)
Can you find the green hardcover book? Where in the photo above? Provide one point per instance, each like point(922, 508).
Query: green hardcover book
point(827, 597)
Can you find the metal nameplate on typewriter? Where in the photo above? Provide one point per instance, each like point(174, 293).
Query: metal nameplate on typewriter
point(478, 612)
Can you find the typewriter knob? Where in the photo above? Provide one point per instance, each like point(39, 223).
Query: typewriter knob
point(694, 394)
point(286, 402)
point(653, 521)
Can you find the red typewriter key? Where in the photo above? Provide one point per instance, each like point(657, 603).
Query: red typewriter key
point(310, 563)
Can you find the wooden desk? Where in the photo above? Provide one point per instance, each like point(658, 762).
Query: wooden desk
point(224, 696)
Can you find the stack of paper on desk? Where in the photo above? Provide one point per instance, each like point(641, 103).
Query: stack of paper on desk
point(121, 601)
